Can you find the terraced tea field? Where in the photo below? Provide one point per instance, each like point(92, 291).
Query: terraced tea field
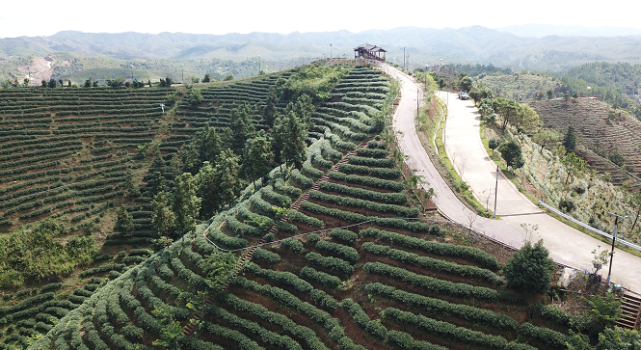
point(338, 270)
point(602, 130)
point(67, 154)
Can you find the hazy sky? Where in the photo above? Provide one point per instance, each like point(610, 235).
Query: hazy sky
point(39, 17)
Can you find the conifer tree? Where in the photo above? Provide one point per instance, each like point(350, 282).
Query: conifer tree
point(569, 141)
point(293, 135)
point(162, 217)
point(269, 112)
point(211, 144)
point(124, 221)
point(303, 109)
point(242, 127)
point(256, 157)
point(186, 205)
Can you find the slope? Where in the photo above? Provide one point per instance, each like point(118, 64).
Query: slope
point(345, 286)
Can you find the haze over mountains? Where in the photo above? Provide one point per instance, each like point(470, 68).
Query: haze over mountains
point(543, 30)
point(474, 44)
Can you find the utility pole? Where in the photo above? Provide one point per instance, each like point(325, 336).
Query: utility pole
point(258, 64)
point(496, 190)
point(132, 73)
point(408, 62)
point(330, 51)
point(614, 238)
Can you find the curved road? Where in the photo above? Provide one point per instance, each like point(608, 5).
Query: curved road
point(463, 145)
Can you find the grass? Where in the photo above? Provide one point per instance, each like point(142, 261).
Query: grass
point(517, 180)
point(508, 174)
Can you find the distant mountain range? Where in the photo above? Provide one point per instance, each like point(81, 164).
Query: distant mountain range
point(543, 30)
point(423, 45)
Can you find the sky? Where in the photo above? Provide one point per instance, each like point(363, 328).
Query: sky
point(43, 18)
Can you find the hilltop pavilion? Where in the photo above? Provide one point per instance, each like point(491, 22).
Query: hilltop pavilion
point(370, 52)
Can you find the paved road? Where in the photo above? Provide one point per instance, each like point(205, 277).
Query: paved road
point(463, 144)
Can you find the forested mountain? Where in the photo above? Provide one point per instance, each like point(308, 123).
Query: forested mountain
point(543, 30)
point(424, 45)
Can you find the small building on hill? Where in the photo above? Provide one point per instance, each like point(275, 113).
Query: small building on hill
point(369, 52)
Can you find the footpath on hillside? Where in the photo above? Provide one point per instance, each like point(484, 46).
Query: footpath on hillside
point(462, 138)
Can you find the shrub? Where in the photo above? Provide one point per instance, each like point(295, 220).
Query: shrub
point(348, 253)
point(388, 198)
point(269, 237)
point(51, 286)
point(294, 245)
point(551, 338)
point(139, 252)
point(287, 227)
point(396, 210)
point(318, 316)
point(134, 260)
point(372, 152)
point(343, 235)
point(530, 269)
point(441, 307)
point(374, 328)
point(368, 181)
point(431, 284)
point(330, 263)
point(383, 173)
point(381, 163)
point(444, 329)
point(467, 271)
point(281, 320)
point(103, 268)
point(322, 278)
point(265, 256)
point(337, 213)
point(405, 341)
point(313, 238)
point(300, 179)
point(305, 219)
point(444, 249)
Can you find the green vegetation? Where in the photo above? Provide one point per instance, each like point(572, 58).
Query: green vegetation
point(190, 295)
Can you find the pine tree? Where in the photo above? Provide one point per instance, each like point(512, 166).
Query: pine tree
point(256, 157)
point(124, 221)
point(303, 109)
point(131, 190)
point(186, 205)
point(162, 218)
point(190, 158)
point(269, 112)
point(228, 177)
point(211, 144)
point(208, 188)
point(242, 127)
point(294, 135)
point(569, 141)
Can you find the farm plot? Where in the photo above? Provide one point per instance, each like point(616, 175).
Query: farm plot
point(387, 283)
point(604, 131)
point(68, 152)
point(216, 107)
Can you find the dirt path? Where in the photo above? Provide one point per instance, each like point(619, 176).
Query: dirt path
point(566, 245)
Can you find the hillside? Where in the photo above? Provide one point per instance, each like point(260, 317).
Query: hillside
point(304, 286)
point(603, 130)
point(624, 78)
point(307, 257)
point(78, 68)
